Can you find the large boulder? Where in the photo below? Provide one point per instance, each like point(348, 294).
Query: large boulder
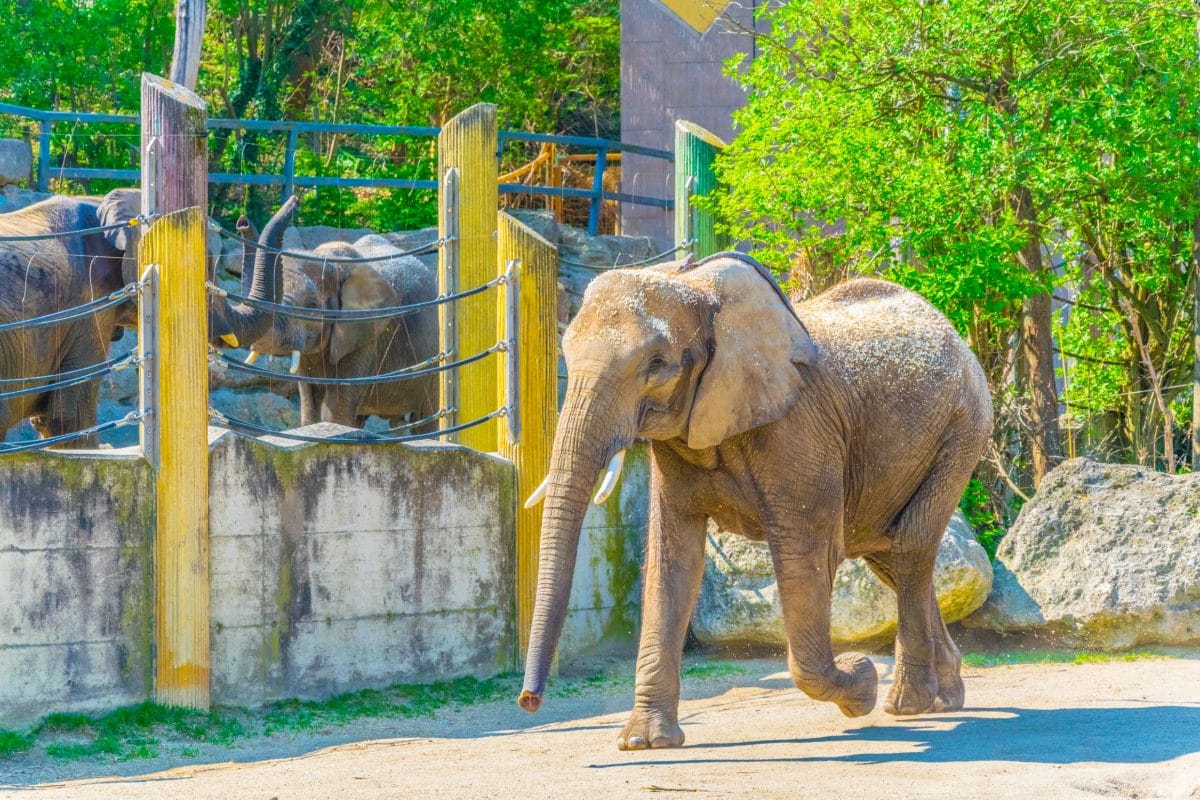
point(1105, 556)
point(739, 601)
point(16, 161)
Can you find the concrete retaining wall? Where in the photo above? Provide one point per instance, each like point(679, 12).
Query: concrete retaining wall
point(333, 567)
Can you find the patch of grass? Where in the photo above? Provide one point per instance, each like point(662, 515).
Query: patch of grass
point(12, 742)
point(1054, 657)
point(401, 700)
point(148, 730)
point(714, 669)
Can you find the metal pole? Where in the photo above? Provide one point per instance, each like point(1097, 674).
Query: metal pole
point(43, 179)
point(512, 322)
point(289, 165)
point(597, 192)
point(450, 252)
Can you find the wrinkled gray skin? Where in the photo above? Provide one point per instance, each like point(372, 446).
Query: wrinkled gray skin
point(40, 277)
point(849, 434)
point(363, 348)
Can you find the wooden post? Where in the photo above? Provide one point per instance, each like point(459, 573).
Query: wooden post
point(537, 394)
point(695, 151)
point(174, 391)
point(467, 144)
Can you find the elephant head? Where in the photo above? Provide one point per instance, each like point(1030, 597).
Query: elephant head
point(694, 352)
point(315, 282)
point(228, 323)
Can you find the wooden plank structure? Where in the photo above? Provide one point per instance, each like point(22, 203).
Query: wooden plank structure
point(537, 394)
point(467, 146)
point(173, 341)
point(695, 151)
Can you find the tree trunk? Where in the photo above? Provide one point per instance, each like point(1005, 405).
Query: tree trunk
point(189, 37)
point(1037, 348)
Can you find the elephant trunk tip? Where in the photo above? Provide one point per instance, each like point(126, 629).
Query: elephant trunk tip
point(529, 701)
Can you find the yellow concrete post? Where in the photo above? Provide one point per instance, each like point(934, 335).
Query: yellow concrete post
point(536, 395)
point(173, 336)
point(469, 199)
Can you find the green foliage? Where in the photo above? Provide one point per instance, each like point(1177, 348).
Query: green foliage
point(979, 508)
point(12, 742)
point(549, 66)
point(940, 144)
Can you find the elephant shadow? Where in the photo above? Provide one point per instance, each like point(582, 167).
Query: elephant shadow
point(1141, 734)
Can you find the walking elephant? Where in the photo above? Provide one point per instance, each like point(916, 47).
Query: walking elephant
point(335, 348)
point(44, 276)
point(844, 427)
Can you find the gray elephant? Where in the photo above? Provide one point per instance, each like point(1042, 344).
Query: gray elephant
point(45, 276)
point(336, 348)
point(845, 427)
point(229, 324)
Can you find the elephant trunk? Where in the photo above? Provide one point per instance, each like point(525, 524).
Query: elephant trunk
point(586, 438)
point(265, 281)
point(246, 230)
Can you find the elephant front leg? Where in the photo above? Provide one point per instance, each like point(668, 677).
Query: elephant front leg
point(806, 559)
point(674, 565)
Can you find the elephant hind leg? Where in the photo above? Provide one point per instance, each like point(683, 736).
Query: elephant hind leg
point(927, 661)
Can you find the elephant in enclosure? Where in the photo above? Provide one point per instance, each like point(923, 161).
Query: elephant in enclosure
point(44, 276)
point(847, 426)
point(334, 348)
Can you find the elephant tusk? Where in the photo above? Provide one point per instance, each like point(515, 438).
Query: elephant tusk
point(610, 478)
point(229, 339)
point(250, 359)
point(539, 494)
point(295, 367)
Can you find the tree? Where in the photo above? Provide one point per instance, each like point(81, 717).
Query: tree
point(964, 148)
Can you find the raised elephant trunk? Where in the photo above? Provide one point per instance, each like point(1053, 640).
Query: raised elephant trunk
point(246, 230)
point(265, 281)
point(588, 434)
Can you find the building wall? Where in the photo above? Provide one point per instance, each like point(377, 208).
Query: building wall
point(669, 72)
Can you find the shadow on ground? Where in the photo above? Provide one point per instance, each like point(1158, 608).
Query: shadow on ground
point(1054, 736)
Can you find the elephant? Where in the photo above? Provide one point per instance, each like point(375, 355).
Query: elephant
point(229, 324)
point(845, 426)
point(44, 276)
point(357, 349)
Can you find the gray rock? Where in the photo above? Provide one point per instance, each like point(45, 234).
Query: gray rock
point(739, 600)
point(1105, 556)
point(16, 161)
point(13, 198)
point(260, 408)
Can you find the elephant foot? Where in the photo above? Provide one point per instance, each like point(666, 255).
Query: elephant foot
point(648, 729)
point(914, 691)
point(861, 681)
point(951, 695)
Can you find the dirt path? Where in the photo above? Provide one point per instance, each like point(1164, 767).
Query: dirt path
point(1114, 729)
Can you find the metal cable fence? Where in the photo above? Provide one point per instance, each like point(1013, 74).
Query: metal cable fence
point(435, 364)
point(23, 386)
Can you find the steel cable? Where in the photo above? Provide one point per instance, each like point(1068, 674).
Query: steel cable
point(75, 312)
point(95, 371)
point(424, 249)
point(398, 375)
point(357, 437)
point(41, 444)
point(640, 262)
point(353, 314)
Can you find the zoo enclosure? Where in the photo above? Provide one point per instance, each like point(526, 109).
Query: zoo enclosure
point(601, 153)
point(479, 247)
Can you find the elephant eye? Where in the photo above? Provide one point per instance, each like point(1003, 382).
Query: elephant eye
point(656, 362)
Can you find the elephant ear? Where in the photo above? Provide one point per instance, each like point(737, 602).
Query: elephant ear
point(120, 205)
point(757, 341)
point(361, 288)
